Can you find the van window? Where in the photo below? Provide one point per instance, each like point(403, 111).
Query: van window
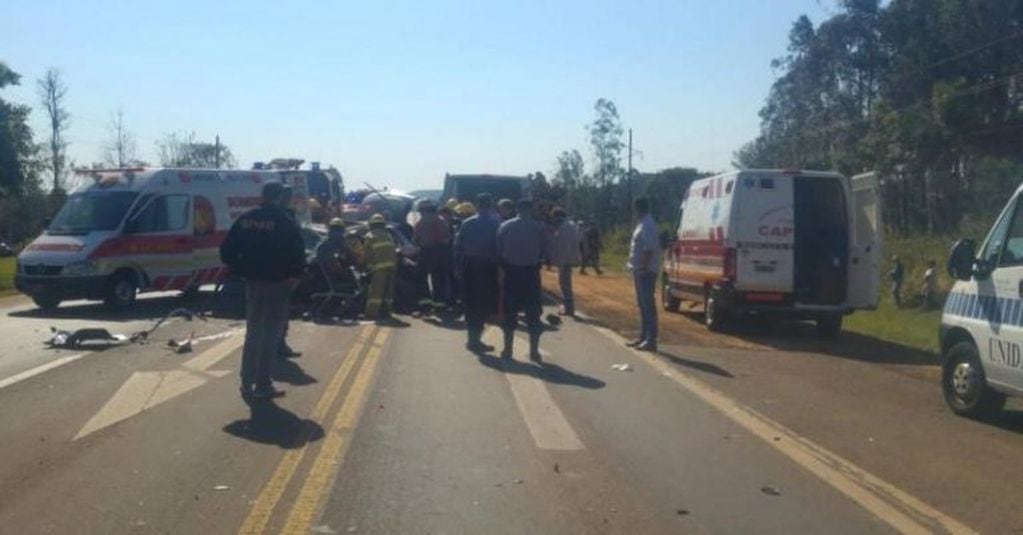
point(1013, 254)
point(993, 246)
point(164, 214)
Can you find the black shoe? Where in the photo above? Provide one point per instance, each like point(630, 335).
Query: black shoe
point(506, 353)
point(288, 353)
point(634, 343)
point(479, 347)
point(648, 346)
point(535, 357)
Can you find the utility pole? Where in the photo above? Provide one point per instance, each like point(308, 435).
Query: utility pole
point(629, 171)
point(216, 151)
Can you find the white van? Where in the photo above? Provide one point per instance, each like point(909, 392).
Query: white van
point(982, 322)
point(129, 230)
point(798, 244)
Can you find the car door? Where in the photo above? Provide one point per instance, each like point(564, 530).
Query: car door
point(1001, 305)
point(865, 243)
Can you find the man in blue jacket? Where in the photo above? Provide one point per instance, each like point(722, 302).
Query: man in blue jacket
point(265, 247)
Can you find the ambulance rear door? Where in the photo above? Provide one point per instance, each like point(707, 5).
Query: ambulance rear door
point(763, 231)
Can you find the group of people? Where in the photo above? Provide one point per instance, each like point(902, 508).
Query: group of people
point(491, 260)
point(929, 287)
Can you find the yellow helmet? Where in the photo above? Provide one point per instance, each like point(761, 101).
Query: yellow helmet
point(377, 219)
point(465, 209)
point(452, 203)
point(336, 222)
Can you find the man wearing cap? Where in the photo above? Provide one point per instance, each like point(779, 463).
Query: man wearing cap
point(476, 267)
point(265, 247)
point(382, 262)
point(521, 244)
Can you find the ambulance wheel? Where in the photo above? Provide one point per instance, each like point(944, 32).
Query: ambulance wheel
point(829, 325)
point(964, 385)
point(714, 312)
point(46, 302)
point(668, 301)
point(121, 290)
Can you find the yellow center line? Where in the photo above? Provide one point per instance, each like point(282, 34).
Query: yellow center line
point(335, 445)
point(267, 500)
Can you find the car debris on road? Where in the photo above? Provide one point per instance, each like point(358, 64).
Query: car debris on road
point(73, 339)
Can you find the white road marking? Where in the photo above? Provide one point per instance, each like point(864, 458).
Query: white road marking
point(17, 378)
point(546, 422)
point(145, 390)
point(902, 511)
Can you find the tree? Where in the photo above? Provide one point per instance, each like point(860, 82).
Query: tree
point(606, 139)
point(570, 169)
point(52, 92)
point(18, 164)
point(120, 148)
point(182, 150)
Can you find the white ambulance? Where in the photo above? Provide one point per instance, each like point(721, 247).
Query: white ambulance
point(982, 323)
point(126, 231)
point(777, 243)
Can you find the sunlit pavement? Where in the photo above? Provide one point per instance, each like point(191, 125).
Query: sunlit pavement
point(399, 429)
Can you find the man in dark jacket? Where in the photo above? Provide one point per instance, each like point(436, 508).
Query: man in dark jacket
point(264, 247)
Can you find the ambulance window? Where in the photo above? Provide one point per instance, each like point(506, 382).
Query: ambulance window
point(165, 214)
point(995, 242)
point(728, 187)
point(766, 183)
point(1013, 254)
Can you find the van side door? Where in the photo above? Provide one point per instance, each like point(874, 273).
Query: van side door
point(865, 243)
point(763, 230)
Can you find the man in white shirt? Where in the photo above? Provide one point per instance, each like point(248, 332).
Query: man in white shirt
point(644, 263)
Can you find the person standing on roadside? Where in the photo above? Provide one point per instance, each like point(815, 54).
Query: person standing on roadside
point(564, 253)
point(644, 261)
point(432, 234)
point(930, 285)
point(591, 248)
point(897, 274)
point(264, 246)
point(382, 261)
point(284, 351)
point(520, 246)
point(476, 266)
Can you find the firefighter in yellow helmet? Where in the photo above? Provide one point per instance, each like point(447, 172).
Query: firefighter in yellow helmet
point(382, 261)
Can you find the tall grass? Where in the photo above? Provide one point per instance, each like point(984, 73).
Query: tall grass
point(7, 266)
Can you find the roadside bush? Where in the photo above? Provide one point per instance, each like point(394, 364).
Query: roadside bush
point(22, 217)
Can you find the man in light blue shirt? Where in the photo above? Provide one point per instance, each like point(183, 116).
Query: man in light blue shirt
point(521, 247)
point(644, 263)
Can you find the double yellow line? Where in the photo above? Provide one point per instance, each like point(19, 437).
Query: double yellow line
point(334, 446)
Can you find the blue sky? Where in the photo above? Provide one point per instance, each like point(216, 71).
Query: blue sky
point(398, 93)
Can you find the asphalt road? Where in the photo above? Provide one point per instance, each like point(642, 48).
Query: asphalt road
point(398, 429)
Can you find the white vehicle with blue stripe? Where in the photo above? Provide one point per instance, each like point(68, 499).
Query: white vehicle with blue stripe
point(982, 323)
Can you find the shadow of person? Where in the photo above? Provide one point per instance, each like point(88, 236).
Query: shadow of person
point(549, 372)
point(271, 424)
point(393, 322)
point(698, 365)
point(288, 371)
point(445, 322)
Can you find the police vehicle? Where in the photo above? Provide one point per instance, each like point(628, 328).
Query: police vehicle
point(982, 322)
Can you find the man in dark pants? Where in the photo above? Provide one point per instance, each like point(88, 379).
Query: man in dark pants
point(476, 266)
point(520, 247)
point(897, 275)
point(265, 247)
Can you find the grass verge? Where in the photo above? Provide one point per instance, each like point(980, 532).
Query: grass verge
point(7, 266)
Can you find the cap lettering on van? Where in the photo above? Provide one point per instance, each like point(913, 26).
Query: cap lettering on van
point(774, 231)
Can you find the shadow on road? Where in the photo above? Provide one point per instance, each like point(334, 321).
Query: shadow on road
point(274, 425)
point(143, 309)
point(697, 365)
point(288, 371)
point(551, 373)
point(445, 322)
point(796, 336)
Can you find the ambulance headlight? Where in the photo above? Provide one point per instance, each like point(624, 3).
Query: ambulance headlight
point(85, 267)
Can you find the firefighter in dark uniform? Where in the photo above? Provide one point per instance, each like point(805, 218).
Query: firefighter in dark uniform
point(265, 247)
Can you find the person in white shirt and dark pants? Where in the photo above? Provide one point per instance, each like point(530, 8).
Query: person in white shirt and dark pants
point(644, 262)
point(565, 254)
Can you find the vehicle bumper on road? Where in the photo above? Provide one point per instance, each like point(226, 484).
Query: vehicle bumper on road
point(65, 288)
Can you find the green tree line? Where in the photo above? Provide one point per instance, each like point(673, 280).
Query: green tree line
point(927, 92)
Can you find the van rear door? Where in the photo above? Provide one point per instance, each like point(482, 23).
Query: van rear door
point(763, 232)
point(865, 250)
